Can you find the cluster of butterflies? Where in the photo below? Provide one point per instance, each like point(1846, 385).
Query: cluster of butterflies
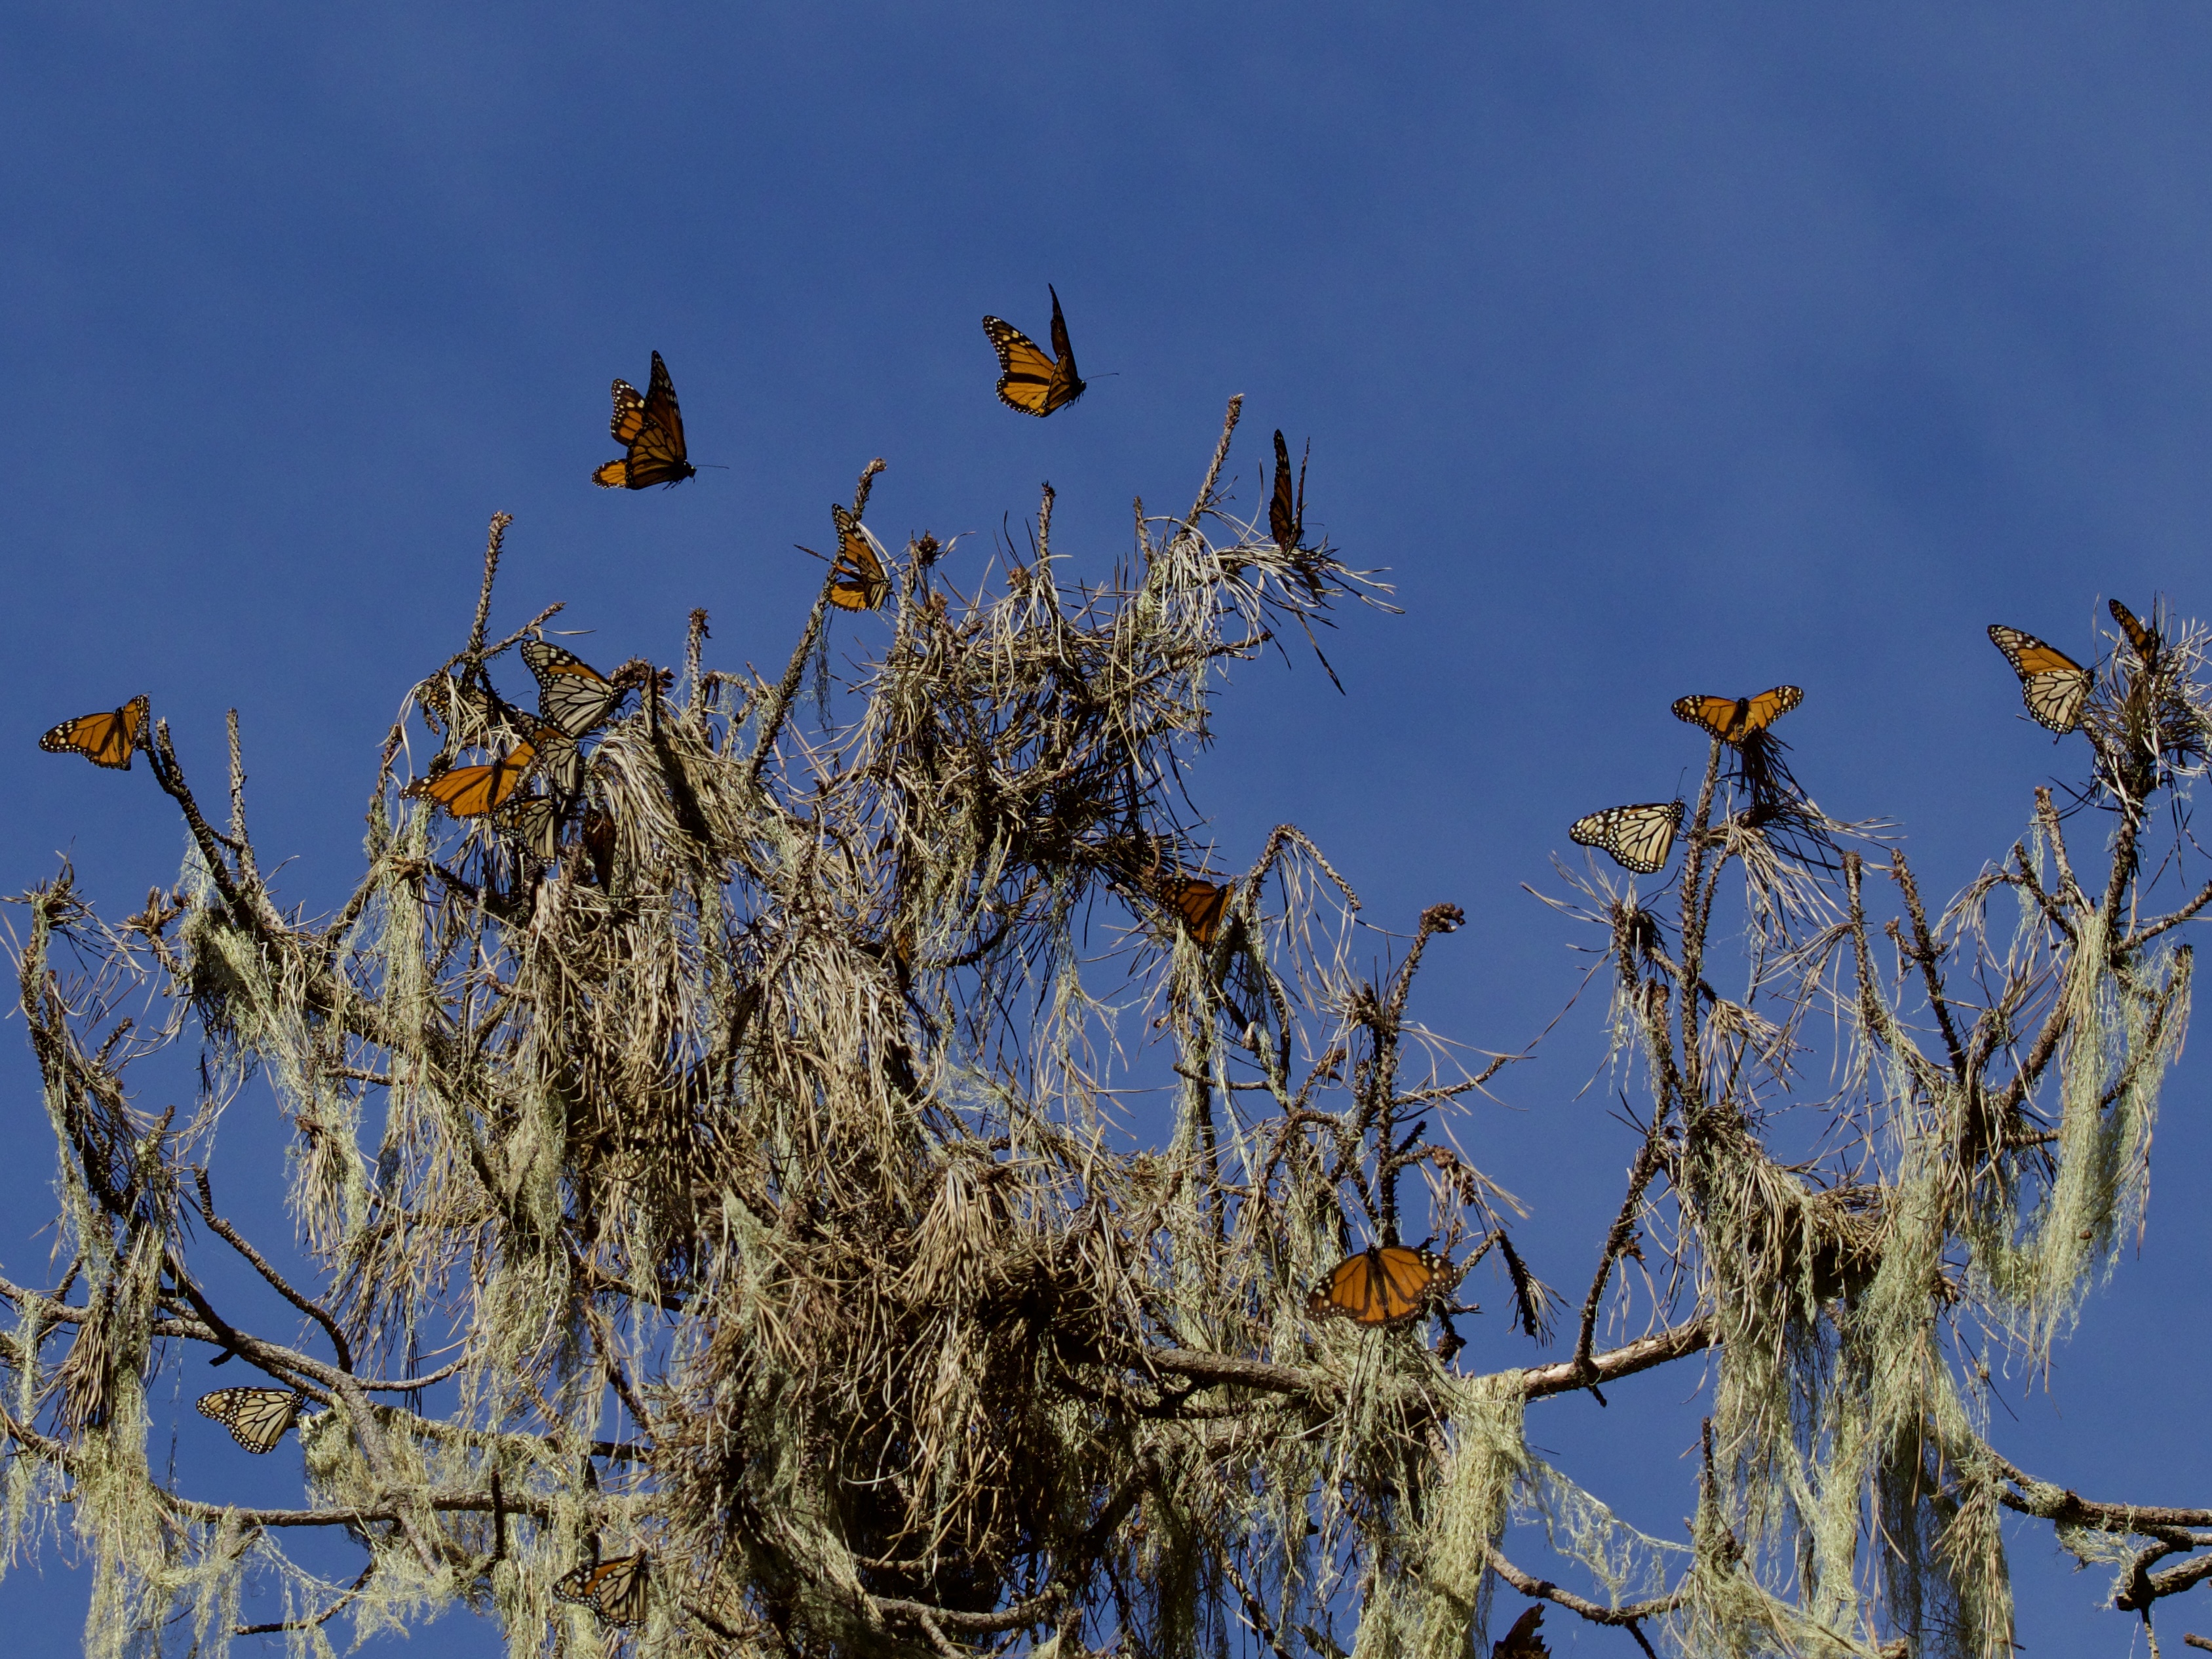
point(2051, 683)
point(574, 701)
point(1641, 837)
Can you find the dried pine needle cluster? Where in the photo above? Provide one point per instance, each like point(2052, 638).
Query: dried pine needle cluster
point(842, 1251)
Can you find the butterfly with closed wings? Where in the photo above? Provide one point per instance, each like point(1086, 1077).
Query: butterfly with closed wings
point(1199, 904)
point(615, 1589)
point(2051, 683)
point(1638, 838)
point(1524, 1640)
point(1734, 718)
point(1286, 514)
point(1029, 381)
point(571, 693)
point(857, 580)
point(105, 739)
point(652, 428)
point(2141, 634)
point(257, 1418)
point(1383, 1285)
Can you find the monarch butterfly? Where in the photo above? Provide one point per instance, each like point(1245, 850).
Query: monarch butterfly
point(1286, 519)
point(1734, 718)
point(470, 792)
point(2052, 685)
point(1523, 1641)
point(1199, 904)
point(535, 822)
point(1383, 1285)
point(103, 740)
point(613, 1589)
point(257, 1418)
point(2141, 634)
point(1638, 837)
point(652, 427)
point(571, 693)
point(1029, 381)
point(857, 582)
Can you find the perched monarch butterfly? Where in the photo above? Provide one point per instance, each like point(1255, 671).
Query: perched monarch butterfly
point(257, 1418)
point(1199, 904)
point(1734, 718)
point(599, 839)
point(2141, 634)
point(652, 427)
point(103, 740)
point(1383, 1285)
point(470, 792)
point(571, 693)
point(535, 822)
point(857, 578)
point(1638, 837)
point(1029, 381)
point(1523, 1641)
point(2052, 685)
point(1286, 517)
point(613, 1589)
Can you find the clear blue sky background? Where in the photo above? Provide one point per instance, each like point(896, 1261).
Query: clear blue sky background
point(1651, 353)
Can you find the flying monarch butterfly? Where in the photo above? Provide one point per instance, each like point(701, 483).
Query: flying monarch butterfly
point(857, 578)
point(613, 1589)
point(2051, 683)
point(103, 739)
point(2141, 634)
point(470, 792)
point(1638, 838)
point(1287, 516)
point(1200, 903)
point(1734, 718)
point(257, 1418)
point(1523, 1641)
point(1028, 380)
point(652, 428)
point(571, 693)
point(1383, 1285)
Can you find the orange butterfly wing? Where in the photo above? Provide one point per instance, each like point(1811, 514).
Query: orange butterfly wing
point(2051, 683)
point(104, 740)
point(1380, 1286)
point(2140, 634)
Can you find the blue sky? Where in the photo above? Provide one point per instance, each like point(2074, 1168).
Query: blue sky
point(1651, 352)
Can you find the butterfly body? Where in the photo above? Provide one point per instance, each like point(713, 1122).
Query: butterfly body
point(1734, 718)
point(615, 1589)
point(2051, 683)
point(858, 582)
point(651, 428)
point(257, 1418)
point(1638, 838)
point(104, 740)
point(1383, 1285)
point(1029, 381)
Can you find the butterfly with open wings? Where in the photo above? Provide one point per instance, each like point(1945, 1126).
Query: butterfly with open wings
point(1383, 1285)
point(1734, 718)
point(615, 1589)
point(1638, 838)
point(104, 740)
